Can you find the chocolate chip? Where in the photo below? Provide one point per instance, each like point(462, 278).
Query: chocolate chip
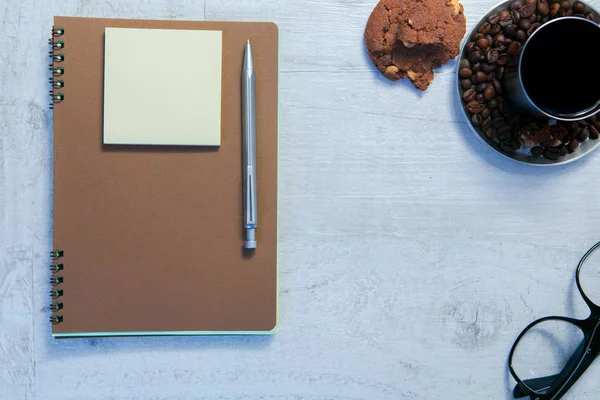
point(573, 145)
point(477, 67)
point(537, 151)
point(469, 95)
point(476, 119)
point(465, 73)
point(466, 83)
point(578, 7)
point(527, 10)
point(565, 5)
point(493, 104)
point(594, 134)
point(486, 113)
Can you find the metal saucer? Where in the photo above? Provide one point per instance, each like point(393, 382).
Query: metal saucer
point(522, 155)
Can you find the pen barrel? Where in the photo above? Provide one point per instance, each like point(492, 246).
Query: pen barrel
point(249, 151)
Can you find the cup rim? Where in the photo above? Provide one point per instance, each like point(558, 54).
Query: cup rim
point(562, 117)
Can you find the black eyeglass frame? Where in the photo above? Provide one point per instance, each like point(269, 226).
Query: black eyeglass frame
point(556, 386)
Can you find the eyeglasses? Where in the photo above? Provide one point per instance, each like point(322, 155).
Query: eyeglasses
point(553, 352)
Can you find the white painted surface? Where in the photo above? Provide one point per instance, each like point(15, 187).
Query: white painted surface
point(411, 255)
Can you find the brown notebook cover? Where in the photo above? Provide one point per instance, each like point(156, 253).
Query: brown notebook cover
point(153, 236)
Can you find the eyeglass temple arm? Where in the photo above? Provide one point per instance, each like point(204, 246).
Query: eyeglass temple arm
point(571, 372)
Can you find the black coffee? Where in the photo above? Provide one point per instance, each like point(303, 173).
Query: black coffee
point(559, 69)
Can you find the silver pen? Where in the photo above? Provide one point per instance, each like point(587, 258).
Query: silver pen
point(249, 133)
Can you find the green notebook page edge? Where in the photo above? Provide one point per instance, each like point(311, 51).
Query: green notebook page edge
point(65, 335)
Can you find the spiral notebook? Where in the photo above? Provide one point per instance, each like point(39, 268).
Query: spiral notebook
point(148, 239)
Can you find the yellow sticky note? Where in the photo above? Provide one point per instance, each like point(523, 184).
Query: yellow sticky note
point(162, 87)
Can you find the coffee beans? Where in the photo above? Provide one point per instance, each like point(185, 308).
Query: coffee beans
point(514, 48)
point(474, 107)
point(469, 95)
point(491, 56)
point(527, 11)
point(524, 24)
point(482, 43)
point(495, 47)
point(489, 93)
point(537, 151)
point(578, 7)
point(480, 77)
point(485, 28)
point(573, 145)
point(584, 135)
point(551, 153)
point(502, 59)
point(505, 18)
point(488, 68)
point(465, 73)
point(481, 87)
point(475, 56)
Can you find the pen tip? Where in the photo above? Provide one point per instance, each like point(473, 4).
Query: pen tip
point(248, 42)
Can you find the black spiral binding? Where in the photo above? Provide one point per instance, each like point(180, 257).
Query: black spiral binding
point(56, 268)
point(56, 56)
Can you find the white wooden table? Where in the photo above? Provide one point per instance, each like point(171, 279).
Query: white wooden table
point(411, 255)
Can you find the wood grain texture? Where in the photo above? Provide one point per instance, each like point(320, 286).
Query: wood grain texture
point(411, 255)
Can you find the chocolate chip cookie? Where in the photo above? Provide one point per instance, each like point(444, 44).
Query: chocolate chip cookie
point(409, 38)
